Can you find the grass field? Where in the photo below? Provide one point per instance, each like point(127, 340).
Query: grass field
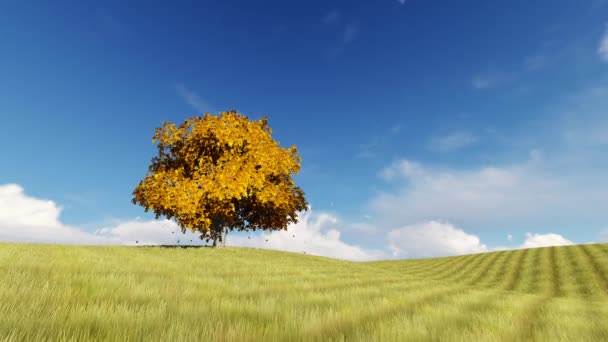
point(75, 293)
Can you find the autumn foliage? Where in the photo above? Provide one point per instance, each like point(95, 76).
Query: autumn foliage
point(214, 173)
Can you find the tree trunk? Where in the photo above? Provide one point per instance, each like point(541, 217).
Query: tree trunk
point(222, 238)
point(218, 225)
point(224, 233)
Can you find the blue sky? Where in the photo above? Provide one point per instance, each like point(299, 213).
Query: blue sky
point(419, 122)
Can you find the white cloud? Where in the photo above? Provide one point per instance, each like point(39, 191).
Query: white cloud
point(364, 227)
point(24, 218)
point(452, 141)
point(436, 239)
point(401, 1)
point(602, 49)
point(149, 232)
point(545, 240)
point(524, 193)
point(27, 219)
point(17, 208)
point(561, 183)
point(193, 99)
point(432, 239)
point(402, 168)
point(311, 236)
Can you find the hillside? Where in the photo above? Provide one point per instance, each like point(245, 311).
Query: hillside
point(134, 293)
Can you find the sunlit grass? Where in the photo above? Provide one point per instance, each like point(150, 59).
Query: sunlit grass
point(51, 292)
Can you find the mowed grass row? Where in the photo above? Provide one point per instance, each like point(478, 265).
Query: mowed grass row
point(51, 292)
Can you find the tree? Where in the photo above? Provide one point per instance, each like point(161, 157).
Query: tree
point(214, 174)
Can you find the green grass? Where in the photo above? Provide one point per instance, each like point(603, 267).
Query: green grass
point(75, 293)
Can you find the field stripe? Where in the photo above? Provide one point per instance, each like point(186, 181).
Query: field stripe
point(457, 262)
point(497, 270)
point(469, 269)
point(598, 270)
point(462, 268)
point(58, 291)
point(371, 281)
point(555, 273)
point(588, 272)
point(401, 267)
point(408, 268)
point(501, 276)
point(422, 267)
point(436, 273)
point(483, 271)
point(440, 269)
point(278, 292)
point(575, 271)
point(344, 329)
point(601, 246)
point(531, 269)
point(513, 277)
point(600, 258)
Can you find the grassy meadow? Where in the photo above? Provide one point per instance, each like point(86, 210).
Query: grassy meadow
point(116, 293)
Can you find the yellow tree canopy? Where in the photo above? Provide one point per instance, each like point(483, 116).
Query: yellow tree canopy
point(214, 172)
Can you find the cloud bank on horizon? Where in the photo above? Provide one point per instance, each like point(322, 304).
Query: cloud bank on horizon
point(32, 220)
